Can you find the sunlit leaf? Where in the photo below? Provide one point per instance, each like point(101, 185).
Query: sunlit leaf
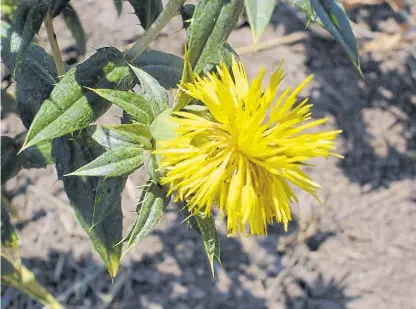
point(259, 14)
point(71, 105)
point(124, 135)
point(149, 211)
point(118, 161)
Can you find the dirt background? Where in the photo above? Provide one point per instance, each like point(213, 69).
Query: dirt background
point(356, 250)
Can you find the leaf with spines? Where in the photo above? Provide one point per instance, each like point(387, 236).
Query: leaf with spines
point(72, 105)
point(212, 23)
point(106, 200)
point(118, 161)
point(143, 106)
point(164, 67)
point(74, 25)
point(147, 11)
point(86, 196)
point(259, 14)
point(132, 103)
point(331, 15)
point(149, 212)
point(124, 135)
point(207, 39)
point(205, 225)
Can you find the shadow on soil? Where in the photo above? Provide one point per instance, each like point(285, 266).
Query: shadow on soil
point(177, 276)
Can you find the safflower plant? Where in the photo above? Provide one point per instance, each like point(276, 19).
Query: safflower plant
point(226, 142)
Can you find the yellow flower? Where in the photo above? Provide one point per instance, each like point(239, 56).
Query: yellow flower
point(242, 155)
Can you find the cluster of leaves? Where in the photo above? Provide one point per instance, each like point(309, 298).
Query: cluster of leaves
point(94, 161)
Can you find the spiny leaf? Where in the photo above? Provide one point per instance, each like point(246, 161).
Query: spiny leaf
point(206, 226)
point(71, 105)
point(106, 201)
point(124, 135)
point(74, 25)
point(72, 153)
point(37, 156)
point(147, 11)
point(331, 15)
point(211, 25)
point(149, 211)
point(154, 94)
point(132, 103)
point(118, 161)
point(165, 68)
point(215, 48)
point(259, 14)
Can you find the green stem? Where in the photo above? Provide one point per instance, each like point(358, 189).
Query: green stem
point(170, 10)
point(56, 52)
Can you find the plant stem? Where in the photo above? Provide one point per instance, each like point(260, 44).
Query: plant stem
point(170, 10)
point(56, 52)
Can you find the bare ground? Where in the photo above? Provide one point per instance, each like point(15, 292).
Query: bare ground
point(356, 250)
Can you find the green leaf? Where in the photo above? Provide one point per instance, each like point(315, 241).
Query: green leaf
point(37, 156)
point(165, 68)
point(72, 105)
point(27, 21)
point(154, 94)
point(143, 106)
point(259, 14)
point(147, 11)
point(119, 6)
point(132, 103)
point(331, 15)
point(27, 283)
point(74, 25)
point(149, 211)
point(162, 128)
point(151, 165)
point(206, 225)
point(11, 163)
point(118, 161)
point(212, 23)
point(208, 231)
point(105, 200)
point(223, 53)
point(70, 154)
point(125, 135)
point(35, 76)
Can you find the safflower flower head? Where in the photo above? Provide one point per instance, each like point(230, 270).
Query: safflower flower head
point(244, 155)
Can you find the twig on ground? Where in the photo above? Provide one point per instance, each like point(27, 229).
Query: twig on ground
point(287, 39)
